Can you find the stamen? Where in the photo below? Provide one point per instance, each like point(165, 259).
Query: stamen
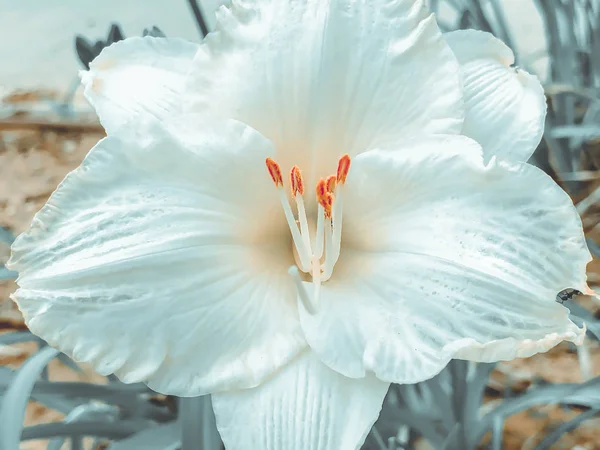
point(332, 253)
point(303, 252)
point(329, 250)
point(331, 182)
point(343, 169)
point(275, 172)
point(329, 206)
point(324, 198)
point(337, 226)
point(320, 235)
point(296, 181)
point(321, 189)
point(307, 302)
point(297, 192)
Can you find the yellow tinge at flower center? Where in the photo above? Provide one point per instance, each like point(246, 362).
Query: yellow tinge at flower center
point(316, 255)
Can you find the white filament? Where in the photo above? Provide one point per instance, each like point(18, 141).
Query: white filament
point(303, 222)
point(303, 254)
point(337, 222)
point(320, 234)
point(333, 234)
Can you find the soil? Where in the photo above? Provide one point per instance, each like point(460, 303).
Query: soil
point(33, 161)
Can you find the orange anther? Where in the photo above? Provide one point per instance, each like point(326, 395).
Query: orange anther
point(331, 182)
point(329, 206)
point(343, 168)
point(324, 198)
point(275, 172)
point(321, 189)
point(297, 181)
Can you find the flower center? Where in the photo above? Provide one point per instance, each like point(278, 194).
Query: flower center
point(314, 255)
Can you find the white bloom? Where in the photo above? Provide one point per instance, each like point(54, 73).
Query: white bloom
point(164, 258)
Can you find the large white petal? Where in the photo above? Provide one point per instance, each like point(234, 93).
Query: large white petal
point(505, 106)
point(306, 406)
point(137, 77)
point(156, 260)
point(444, 257)
point(321, 78)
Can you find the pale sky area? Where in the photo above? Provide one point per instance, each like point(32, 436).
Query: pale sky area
point(37, 36)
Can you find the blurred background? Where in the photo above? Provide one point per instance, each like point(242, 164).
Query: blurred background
point(549, 401)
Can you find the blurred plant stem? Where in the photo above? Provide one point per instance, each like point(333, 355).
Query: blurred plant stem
point(199, 17)
point(198, 426)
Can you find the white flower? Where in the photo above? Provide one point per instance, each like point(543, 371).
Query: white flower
point(165, 258)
